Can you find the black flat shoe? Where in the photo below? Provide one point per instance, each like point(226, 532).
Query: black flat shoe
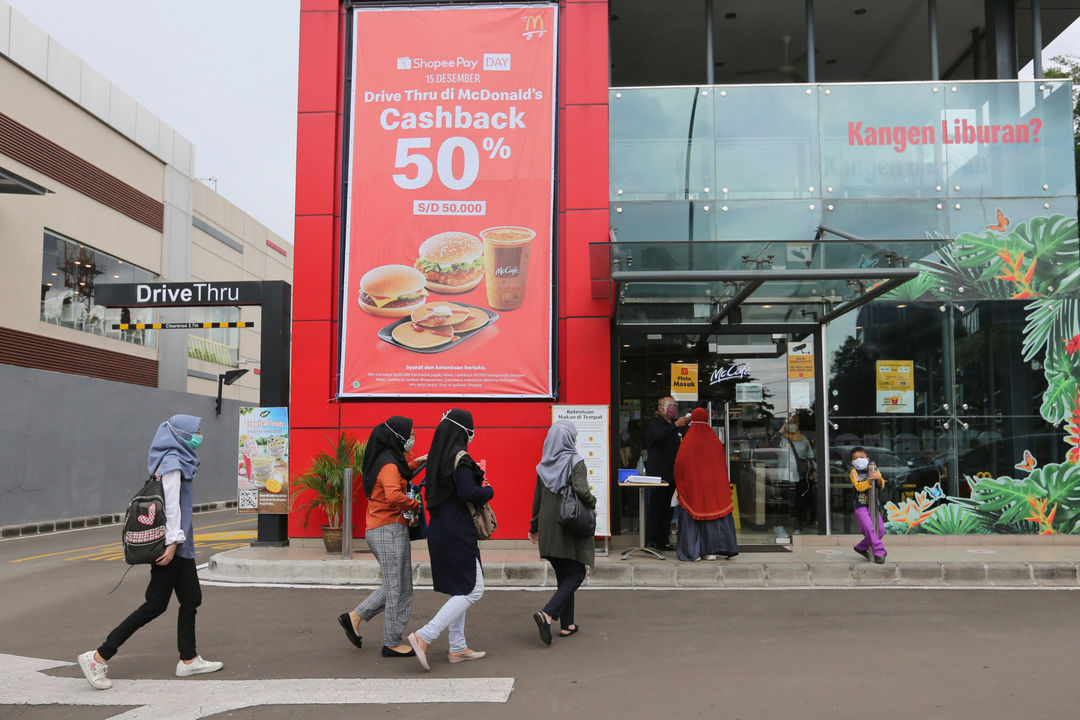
point(567, 632)
point(346, 624)
point(543, 626)
point(391, 652)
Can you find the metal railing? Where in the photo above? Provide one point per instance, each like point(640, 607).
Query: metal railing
point(201, 348)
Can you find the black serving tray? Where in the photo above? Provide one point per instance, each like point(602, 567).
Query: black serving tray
point(386, 333)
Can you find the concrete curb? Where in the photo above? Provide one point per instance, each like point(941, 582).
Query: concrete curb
point(224, 567)
point(49, 526)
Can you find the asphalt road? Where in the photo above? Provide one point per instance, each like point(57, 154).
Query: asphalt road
point(640, 654)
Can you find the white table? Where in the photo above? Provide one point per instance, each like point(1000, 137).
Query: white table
point(642, 487)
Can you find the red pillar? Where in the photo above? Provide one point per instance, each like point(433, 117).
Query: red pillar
point(510, 433)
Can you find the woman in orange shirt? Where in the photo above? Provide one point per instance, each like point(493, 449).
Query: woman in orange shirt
point(386, 482)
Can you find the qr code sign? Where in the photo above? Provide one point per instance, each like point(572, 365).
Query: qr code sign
point(249, 500)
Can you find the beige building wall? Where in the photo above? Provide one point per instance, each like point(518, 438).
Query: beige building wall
point(49, 90)
point(215, 255)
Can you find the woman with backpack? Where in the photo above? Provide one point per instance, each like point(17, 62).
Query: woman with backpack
point(386, 474)
point(173, 457)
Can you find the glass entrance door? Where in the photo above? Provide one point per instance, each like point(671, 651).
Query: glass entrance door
point(761, 405)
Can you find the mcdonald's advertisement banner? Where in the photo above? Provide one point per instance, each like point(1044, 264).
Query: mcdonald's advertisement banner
point(448, 237)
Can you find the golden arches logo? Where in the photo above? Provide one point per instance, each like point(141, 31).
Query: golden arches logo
point(534, 26)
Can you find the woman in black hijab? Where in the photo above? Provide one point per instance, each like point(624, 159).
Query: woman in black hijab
point(453, 479)
point(386, 475)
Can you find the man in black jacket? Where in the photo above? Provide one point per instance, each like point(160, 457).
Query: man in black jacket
point(662, 436)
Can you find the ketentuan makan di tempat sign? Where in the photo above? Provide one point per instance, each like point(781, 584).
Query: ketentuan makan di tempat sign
point(449, 217)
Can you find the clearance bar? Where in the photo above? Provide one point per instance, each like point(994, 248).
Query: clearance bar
point(181, 325)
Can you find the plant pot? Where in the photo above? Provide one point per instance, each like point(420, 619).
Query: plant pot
point(331, 537)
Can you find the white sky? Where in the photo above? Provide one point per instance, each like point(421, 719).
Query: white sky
point(223, 73)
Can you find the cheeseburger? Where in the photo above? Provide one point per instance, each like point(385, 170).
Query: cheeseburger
point(392, 290)
point(452, 262)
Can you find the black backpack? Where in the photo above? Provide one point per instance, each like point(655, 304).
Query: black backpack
point(144, 525)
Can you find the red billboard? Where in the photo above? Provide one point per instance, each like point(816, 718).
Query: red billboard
point(448, 229)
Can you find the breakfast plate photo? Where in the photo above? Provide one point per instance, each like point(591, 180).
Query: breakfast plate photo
point(437, 326)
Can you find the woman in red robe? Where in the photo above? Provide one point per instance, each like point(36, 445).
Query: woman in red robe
point(706, 528)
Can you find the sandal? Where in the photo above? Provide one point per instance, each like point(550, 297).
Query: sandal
point(567, 632)
point(543, 626)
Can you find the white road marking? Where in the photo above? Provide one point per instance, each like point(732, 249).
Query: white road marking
point(192, 699)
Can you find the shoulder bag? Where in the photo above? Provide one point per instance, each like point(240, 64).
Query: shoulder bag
point(482, 515)
point(576, 517)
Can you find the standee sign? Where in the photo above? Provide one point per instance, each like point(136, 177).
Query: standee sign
point(448, 235)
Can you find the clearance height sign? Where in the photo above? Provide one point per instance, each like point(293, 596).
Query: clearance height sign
point(448, 256)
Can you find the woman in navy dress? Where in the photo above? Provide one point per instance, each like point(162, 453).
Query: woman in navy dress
point(453, 479)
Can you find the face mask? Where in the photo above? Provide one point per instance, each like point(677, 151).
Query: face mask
point(195, 441)
point(406, 443)
point(792, 427)
point(861, 463)
point(409, 444)
point(670, 411)
point(468, 432)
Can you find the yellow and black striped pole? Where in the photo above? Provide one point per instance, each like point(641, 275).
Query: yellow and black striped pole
point(181, 325)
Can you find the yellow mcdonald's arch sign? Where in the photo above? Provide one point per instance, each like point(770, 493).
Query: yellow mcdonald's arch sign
point(534, 26)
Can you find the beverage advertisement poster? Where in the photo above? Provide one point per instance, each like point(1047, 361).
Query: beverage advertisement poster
point(594, 447)
point(449, 217)
point(896, 386)
point(262, 468)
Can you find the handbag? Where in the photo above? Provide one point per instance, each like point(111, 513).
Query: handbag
point(577, 518)
point(482, 515)
point(483, 518)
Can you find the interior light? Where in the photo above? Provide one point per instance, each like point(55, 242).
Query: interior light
point(49, 284)
point(116, 276)
point(902, 305)
point(766, 306)
point(54, 274)
point(78, 263)
point(82, 283)
point(120, 262)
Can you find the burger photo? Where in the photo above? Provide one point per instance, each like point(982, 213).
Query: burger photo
point(392, 290)
point(452, 262)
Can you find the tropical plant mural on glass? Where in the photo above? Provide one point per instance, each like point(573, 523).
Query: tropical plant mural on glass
point(1036, 262)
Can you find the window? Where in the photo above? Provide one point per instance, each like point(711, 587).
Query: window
point(69, 273)
point(216, 345)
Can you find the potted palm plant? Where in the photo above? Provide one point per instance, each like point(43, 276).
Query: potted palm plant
point(323, 486)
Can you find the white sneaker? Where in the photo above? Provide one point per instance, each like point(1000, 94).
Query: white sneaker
point(94, 671)
point(198, 666)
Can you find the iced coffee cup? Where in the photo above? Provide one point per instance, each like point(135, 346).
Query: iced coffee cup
point(506, 265)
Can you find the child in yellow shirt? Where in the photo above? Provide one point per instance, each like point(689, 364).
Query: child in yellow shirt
point(863, 473)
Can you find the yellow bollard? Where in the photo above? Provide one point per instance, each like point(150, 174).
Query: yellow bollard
point(735, 505)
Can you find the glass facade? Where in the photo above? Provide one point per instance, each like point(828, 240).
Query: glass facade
point(788, 193)
point(69, 273)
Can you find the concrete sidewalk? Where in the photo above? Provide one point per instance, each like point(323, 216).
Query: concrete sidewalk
point(811, 561)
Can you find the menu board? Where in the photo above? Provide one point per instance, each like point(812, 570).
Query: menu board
point(895, 386)
point(593, 445)
point(449, 217)
point(262, 470)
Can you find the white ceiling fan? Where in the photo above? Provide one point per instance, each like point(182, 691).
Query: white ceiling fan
point(787, 69)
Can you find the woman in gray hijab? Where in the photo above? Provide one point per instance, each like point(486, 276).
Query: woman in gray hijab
point(561, 465)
